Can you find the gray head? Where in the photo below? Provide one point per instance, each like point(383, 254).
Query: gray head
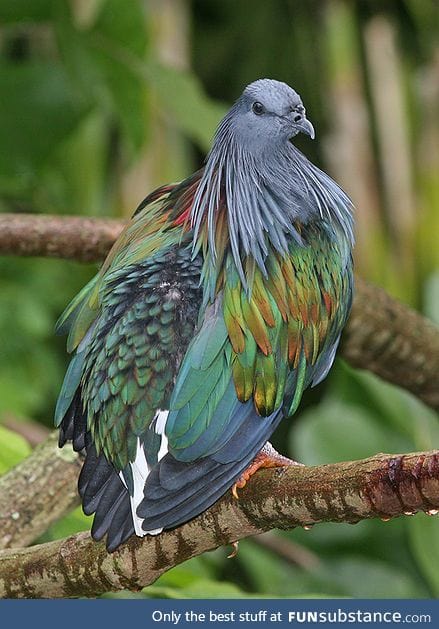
point(267, 114)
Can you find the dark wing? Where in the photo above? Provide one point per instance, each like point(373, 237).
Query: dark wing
point(129, 328)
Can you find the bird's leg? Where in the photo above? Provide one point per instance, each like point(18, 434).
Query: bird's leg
point(267, 457)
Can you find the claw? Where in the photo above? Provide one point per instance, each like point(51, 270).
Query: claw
point(267, 457)
point(235, 546)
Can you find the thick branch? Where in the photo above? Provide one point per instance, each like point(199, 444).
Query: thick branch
point(37, 492)
point(382, 486)
point(383, 335)
point(394, 342)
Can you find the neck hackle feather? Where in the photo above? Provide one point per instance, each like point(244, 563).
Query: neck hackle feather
point(262, 202)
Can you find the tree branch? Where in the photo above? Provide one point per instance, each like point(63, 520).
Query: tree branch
point(383, 336)
point(381, 486)
point(394, 342)
point(69, 237)
point(37, 492)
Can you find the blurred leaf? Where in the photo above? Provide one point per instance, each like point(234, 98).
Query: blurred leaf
point(74, 179)
point(336, 431)
point(120, 29)
point(269, 574)
point(25, 10)
point(102, 62)
point(332, 539)
point(425, 425)
point(389, 406)
point(40, 105)
point(424, 540)
point(193, 579)
point(362, 578)
point(200, 589)
point(124, 24)
point(386, 402)
point(13, 449)
point(431, 297)
point(74, 522)
point(186, 574)
point(181, 96)
point(32, 295)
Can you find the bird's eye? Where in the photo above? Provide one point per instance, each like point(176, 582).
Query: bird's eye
point(258, 108)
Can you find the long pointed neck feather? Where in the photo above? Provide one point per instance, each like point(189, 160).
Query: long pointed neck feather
point(265, 203)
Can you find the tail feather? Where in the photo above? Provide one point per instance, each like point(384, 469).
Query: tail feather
point(109, 509)
point(93, 482)
point(100, 487)
point(176, 491)
point(104, 494)
point(121, 526)
point(74, 425)
point(92, 500)
point(170, 493)
point(172, 509)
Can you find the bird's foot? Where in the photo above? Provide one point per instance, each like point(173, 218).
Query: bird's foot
point(267, 457)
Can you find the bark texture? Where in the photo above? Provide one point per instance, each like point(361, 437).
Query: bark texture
point(394, 342)
point(69, 237)
point(382, 486)
point(37, 492)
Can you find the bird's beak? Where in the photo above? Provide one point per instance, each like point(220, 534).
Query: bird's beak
point(304, 126)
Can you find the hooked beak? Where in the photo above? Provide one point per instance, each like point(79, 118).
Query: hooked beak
point(304, 126)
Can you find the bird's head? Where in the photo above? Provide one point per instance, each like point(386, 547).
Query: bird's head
point(268, 113)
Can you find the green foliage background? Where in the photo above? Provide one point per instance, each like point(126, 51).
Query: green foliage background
point(100, 100)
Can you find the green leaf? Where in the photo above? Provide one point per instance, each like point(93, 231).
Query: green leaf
point(180, 94)
point(103, 61)
point(186, 574)
point(195, 578)
point(38, 110)
point(123, 23)
point(25, 10)
point(386, 402)
point(431, 297)
point(364, 578)
point(13, 449)
point(74, 177)
point(118, 35)
point(337, 431)
point(31, 370)
point(424, 541)
point(74, 522)
point(201, 589)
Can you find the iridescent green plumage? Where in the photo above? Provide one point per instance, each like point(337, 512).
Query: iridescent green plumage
point(126, 328)
point(271, 341)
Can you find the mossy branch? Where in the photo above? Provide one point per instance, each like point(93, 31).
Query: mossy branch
point(37, 492)
point(382, 486)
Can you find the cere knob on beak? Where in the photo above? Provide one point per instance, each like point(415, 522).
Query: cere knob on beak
point(302, 124)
